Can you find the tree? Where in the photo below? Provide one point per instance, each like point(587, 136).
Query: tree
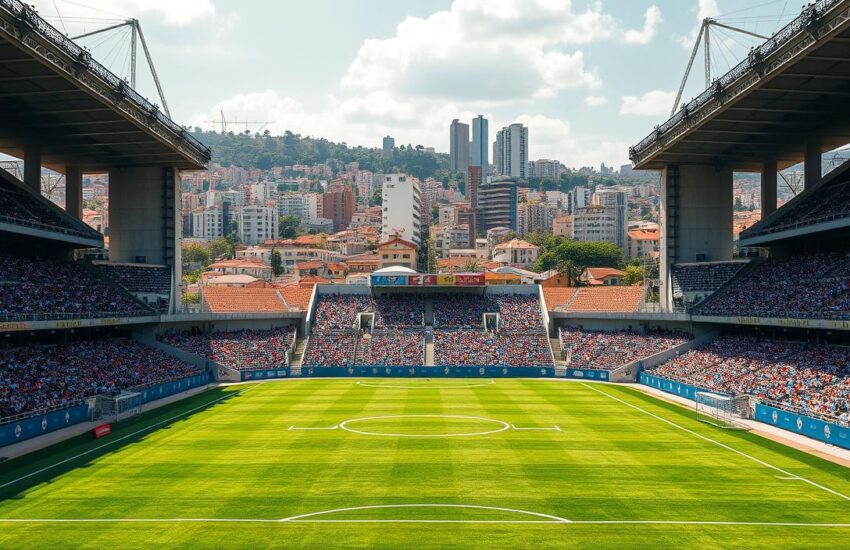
point(276, 263)
point(472, 265)
point(432, 255)
point(196, 254)
point(377, 199)
point(219, 247)
point(287, 226)
point(581, 255)
point(634, 275)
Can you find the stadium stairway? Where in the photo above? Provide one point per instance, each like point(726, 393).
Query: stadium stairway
point(555, 345)
point(298, 354)
point(429, 348)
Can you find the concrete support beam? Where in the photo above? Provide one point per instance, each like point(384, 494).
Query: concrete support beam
point(696, 218)
point(813, 163)
point(768, 188)
point(32, 168)
point(74, 191)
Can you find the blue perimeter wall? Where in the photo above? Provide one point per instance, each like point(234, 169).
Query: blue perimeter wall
point(42, 424)
point(804, 425)
point(426, 372)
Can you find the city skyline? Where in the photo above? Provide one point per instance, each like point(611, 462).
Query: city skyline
point(577, 85)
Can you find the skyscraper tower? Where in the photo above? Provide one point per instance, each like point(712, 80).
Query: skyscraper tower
point(480, 143)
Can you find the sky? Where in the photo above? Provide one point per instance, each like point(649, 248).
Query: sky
point(588, 78)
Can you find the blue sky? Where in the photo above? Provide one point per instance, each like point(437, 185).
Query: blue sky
point(588, 78)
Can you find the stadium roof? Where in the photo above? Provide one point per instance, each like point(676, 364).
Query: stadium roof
point(791, 90)
point(54, 96)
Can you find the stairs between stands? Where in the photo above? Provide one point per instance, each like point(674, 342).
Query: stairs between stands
point(429, 348)
point(298, 357)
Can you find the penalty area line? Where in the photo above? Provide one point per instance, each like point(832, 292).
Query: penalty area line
point(538, 429)
point(719, 444)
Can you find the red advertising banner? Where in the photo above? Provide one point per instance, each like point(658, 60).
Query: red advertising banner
point(472, 279)
point(102, 430)
point(429, 280)
point(414, 280)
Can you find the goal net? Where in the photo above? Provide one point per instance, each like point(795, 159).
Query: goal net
point(721, 410)
point(122, 406)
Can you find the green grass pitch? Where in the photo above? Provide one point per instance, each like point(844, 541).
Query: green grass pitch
point(436, 464)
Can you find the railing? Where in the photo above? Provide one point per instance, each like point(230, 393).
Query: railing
point(756, 58)
point(31, 19)
point(780, 227)
point(48, 227)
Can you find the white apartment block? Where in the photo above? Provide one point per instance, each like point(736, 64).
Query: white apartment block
point(448, 237)
point(290, 204)
point(207, 224)
point(402, 209)
point(544, 168)
point(597, 223)
point(257, 224)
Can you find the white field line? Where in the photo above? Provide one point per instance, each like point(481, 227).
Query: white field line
point(400, 506)
point(552, 429)
point(122, 438)
point(291, 428)
point(719, 444)
point(424, 387)
point(502, 426)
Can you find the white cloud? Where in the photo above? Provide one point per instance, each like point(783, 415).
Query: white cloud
point(177, 13)
point(595, 100)
point(654, 103)
point(704, 8)
point(651, 20)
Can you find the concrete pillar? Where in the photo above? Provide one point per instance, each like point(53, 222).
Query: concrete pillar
point(768, 188)
point(74, 191)
point(813, 163)
point(32, 168)
point(696, 218)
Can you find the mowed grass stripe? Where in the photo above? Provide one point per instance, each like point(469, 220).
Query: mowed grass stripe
point(239, 460)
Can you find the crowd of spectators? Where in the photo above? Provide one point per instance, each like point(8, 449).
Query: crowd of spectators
point(339, 311)
point(391, 348)
point(140, 279)
point(596, 349)
point(459, 310)
point(17, 206)
point(813, 379)
point(465, 347)
point(824, 204)
point(37, 286)
point(334, 349)
point(36, 378)
point(239, 349)
point(803, 286)
point(516, 312)
point(399, 311)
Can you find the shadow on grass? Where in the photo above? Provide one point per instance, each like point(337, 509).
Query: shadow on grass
point(19, 475)
point(683, 414)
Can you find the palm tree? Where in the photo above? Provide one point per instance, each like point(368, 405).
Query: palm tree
point(472, 266)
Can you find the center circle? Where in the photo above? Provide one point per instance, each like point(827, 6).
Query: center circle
point(462, 425)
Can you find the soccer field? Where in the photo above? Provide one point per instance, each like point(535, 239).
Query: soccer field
point(388, 463)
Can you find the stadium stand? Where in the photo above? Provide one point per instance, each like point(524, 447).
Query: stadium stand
point(19, 207)
point(399, 311)
point(806, 286)
point(826, 203)
point(485, 348)
point(141, 279)
point(695, 282)
point(811, 379)
point(329, 349)
point(607, 350)
point(44, 289)
point(38, 378)
point(459, 311)
point(339, 311)
point(391, 348)
point(240, 349)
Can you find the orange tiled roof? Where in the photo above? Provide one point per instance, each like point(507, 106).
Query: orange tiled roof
point(296, 296)
point(602, 272)
point(243, 300)
point(619, 299)
point(239, 263)
point(557, 297)
point(453, 264)
point(645, 234)
point(397, 240)
point(310, 264)
point(516, 243)
point(309, 240)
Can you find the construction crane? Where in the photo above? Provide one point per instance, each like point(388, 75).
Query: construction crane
point(704, 38)
point(136, 35)
point(223, 123)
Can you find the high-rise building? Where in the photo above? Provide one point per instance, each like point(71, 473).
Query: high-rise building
point(578, 197)
point(480, 143)
point(388, 146)
point(544, 168)
point(338, 205)
point(257, 223)
point(617, 201)
point(474, 180)
point(459, 146)
point(533, 216)
point(208, 224)
point(596, 223)
point(497, 202)
point(511, 154)
point(468, 216)
point(402, 208)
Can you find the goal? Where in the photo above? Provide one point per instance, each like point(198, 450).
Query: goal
point(721, 410)
point(122, 406)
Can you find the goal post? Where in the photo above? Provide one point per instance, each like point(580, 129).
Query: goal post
point(719, 410)
point(122, 406)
